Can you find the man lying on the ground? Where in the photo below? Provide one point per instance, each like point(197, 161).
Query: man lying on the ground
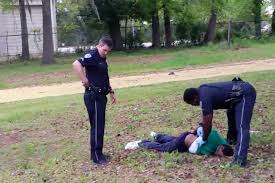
point(187, 141)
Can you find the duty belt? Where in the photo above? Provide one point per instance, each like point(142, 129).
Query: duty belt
point(98, 90)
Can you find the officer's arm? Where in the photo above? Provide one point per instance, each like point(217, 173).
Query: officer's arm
point(78, 69)
point(112, 95)
point(207, 125)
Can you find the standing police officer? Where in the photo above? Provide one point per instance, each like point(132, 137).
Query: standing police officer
point(92, 70)
point(238, 97)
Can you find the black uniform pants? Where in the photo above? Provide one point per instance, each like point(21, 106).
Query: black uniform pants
point(96, 107)
point(239, 118)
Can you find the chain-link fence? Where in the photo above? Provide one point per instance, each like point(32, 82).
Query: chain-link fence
point(11, 45)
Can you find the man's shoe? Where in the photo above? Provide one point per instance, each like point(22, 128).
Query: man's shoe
point(239, 162)
point(104, 157)
point(132, 145)
point(101, 162)
point(153, 134)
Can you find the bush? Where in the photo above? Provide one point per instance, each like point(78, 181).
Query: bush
point(221, 35)
point(190, 31)
point(197, 33)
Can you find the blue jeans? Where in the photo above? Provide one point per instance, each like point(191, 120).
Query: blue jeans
point(166, 143)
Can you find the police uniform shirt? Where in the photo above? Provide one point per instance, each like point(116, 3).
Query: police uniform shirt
point(96, 68)
point(213, 95)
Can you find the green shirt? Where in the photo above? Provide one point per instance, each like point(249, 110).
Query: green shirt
point(213, 141)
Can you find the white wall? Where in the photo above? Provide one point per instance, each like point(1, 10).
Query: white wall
point(10, 24)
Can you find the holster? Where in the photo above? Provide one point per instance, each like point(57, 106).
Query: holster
point(236, 93)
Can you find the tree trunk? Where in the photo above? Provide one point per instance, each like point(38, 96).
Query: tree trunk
point(211, 29)
point(273, 23)
point(125, 33)
point(115, 33)
point(155, 26)
point(48, 50)
point(167, 26)
point(24, 31)
point(257, 17)
point(229, 33)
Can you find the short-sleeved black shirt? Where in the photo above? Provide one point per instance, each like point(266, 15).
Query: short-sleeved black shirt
point(213, 96)
point(96, 68)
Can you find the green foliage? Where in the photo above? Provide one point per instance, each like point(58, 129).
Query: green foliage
point(109, 10)
point(189, 25)
point(7, 5)
point(239, 10)
point(70, 28)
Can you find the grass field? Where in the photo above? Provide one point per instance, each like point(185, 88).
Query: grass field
point(31, 73)
point(47, 139)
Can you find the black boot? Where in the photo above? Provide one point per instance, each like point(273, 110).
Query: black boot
point(240, 162)
point(101, 159)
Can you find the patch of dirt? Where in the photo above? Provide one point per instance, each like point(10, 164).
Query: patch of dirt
point(8, 138)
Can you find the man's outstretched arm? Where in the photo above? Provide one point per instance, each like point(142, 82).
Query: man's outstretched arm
point(207, 125)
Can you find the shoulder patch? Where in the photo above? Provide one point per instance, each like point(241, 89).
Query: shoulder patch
point(88, 55)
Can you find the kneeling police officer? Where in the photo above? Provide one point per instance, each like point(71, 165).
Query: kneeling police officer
point(92, 70)
point(238, 97)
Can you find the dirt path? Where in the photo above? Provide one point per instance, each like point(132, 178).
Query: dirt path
point(24, 93)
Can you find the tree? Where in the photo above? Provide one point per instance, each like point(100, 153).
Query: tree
point(273, 17)
point(149, 11)
point(167, 24)
point(215, 7)
point(111, 12)
point(48, 50)
point(24, 31)
point(257, 17)
point(211, 28)
point(155, 25)
point(273, 23)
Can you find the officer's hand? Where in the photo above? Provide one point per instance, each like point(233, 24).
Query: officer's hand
point(200, 132)
point(113, 98)
point(200, 141)
point(85, 82)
